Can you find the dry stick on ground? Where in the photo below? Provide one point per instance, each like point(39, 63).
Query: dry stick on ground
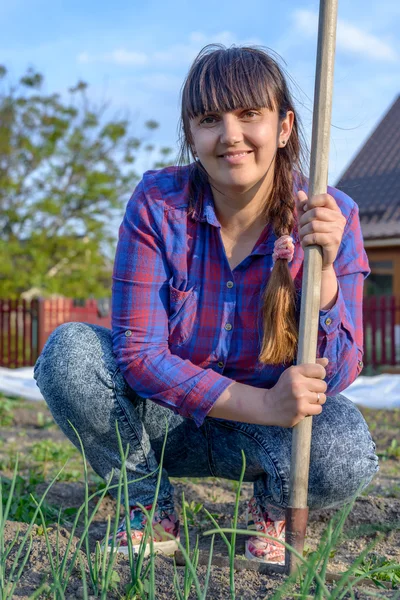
point(242, 564)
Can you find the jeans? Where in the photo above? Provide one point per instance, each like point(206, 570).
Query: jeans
point(78, 376)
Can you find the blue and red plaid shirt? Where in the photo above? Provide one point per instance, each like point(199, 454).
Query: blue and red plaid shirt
point(185, 326)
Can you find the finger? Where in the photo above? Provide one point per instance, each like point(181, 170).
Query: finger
point(321, 213)
point(323, 361)
point(316, 385)
point(314, 371)
point(317, 227)
point(314, 410)
point(325, 200)
point(301, 202)
point(320, 398)
point(326, 240)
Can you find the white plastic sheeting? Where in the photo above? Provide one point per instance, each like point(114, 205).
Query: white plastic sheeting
point(19, 382)
point(382, 391)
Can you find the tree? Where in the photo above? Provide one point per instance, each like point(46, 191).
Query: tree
point(65, 173)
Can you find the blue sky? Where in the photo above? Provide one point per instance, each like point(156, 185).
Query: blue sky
point(136, 54)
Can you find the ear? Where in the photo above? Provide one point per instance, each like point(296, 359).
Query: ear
point(285, 129)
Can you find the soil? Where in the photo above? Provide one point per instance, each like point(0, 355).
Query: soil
point(375, 516)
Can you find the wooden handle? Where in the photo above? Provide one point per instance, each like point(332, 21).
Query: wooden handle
point(311, 286)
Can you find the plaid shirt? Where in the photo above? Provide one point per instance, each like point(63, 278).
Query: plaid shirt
point(185, 326)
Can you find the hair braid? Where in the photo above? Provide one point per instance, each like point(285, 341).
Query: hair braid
point(278, 311)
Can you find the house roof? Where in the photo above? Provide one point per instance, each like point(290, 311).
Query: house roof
point(373, 178)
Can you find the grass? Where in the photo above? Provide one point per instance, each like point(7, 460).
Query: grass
point(98, 571)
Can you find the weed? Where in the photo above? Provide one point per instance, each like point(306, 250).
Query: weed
point(22, 505)
point(6, 412)
point(381, 568)
point(393, 451)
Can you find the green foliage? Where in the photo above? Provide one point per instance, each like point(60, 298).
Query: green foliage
point(23, 506)
point(65, 176)
point(6, 414)
point(102, 573)
point(382, 568)
point(49, 451)
point(393, 451)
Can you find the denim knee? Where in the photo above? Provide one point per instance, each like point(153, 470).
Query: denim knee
point(71, 366)
point(343, 459)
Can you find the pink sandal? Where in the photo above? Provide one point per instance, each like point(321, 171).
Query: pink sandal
point(263, 549)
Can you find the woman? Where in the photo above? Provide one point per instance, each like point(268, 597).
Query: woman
point(206, 292)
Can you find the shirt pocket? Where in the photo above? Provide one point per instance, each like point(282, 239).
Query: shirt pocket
point(182, 315)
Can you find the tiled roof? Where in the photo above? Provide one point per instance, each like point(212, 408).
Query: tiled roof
point(373, 178)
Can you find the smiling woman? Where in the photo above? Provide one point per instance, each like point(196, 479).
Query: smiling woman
point(239, 122)
point(206, 289)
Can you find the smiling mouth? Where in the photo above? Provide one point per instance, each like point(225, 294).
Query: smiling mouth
point(233, 154)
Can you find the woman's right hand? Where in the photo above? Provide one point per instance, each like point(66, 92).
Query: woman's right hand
point(295, 395)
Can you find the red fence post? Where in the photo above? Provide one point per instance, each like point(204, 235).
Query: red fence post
point(372, 309)
point(41, 314)
point(365, 329)
point(382, 306)
point(393, 330)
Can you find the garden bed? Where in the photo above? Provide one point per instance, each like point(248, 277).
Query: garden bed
point(27, 429)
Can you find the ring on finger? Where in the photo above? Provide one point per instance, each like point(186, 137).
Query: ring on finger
point(317, 397)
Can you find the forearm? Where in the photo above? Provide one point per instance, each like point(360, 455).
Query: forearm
point(329, 288)
point(340, 334)
point(241, 402)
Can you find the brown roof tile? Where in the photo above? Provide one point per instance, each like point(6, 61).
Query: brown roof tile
point(373, 178)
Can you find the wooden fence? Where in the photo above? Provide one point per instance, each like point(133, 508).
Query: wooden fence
point(381, 317)
point(26, 325)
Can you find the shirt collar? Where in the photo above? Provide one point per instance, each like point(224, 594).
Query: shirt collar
point(204, 209)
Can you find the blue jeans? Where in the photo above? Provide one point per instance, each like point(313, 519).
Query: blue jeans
point(78, 376)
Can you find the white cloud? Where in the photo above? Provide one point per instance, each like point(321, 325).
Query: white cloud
point(349, 38)
point(175, 55)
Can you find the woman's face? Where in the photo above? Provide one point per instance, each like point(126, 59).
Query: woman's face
point(237, 148)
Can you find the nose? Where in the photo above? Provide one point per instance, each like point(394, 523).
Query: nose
point(231, 131)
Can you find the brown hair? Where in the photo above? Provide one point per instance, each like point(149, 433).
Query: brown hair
point(225, 79)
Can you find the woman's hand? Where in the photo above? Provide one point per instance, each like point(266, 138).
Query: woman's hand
point(299, 393)
point(320, 223)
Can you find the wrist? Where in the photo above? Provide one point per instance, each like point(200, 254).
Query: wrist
point(270, 407)
point(329, 288)
point(328, 270)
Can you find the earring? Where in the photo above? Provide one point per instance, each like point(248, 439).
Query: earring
point(283, 142)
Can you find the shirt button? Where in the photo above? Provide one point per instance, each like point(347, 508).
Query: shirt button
point(128, 333)
point(228, 326)
point(328, 321)
point(360, 364)
point(229, 284)
point(220, 364)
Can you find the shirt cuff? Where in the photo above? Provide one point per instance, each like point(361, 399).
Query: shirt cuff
point(202, 397)
point(330, 319)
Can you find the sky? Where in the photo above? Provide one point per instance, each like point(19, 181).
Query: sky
point(135, 55)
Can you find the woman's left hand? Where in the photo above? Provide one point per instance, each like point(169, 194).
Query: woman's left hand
point(321, 223)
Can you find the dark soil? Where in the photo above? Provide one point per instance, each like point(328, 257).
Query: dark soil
point(375, 514)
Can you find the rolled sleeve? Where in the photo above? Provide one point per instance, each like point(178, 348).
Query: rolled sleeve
point(340, 334)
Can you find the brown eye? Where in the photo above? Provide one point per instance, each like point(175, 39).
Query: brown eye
point(251, 113)
point(207, 120)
